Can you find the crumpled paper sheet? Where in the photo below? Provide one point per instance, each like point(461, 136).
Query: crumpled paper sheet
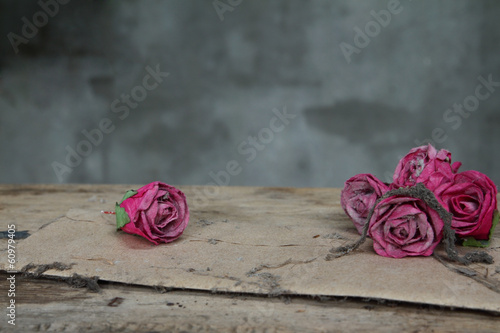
point(259, 240)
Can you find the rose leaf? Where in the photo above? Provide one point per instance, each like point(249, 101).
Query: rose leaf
point(121, 217)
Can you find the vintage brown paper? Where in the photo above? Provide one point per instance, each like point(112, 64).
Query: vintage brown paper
point(257, 240)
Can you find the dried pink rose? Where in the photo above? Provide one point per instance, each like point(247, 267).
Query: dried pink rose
point(359, 195)
point(405, 226)
point(472, 199)
point(157, 212)
point(426, 165)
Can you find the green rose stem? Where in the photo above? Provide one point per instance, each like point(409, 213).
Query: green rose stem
point(419, 191)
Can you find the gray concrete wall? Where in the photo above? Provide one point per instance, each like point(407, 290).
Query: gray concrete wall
point(232, 67)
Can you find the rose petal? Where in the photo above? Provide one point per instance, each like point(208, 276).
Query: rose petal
point(132, 229)
point(426, 165)
point(358, 197)
point(471, 198)
point(403, 226)
point(158, 212)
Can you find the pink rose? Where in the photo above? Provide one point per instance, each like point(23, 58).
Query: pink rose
point(426, 165)
point(358, 197)
point(405, 226)
point(157, 212)
point(472, 199)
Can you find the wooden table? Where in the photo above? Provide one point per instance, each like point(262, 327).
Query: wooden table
point(51, 304)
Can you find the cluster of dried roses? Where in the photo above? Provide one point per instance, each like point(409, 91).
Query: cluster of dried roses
point(405, 226)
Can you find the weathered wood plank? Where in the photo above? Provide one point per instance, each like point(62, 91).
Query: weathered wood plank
point(44, 305)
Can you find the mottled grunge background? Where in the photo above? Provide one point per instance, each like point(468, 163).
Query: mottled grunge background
point(243, 92)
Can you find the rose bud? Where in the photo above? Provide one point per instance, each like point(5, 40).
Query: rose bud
point(426, 165)
point(358, 197)
point(405, 226)
point(157, 212)
point(472, 199)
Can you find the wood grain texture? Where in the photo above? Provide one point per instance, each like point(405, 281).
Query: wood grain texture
point(45, 305)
